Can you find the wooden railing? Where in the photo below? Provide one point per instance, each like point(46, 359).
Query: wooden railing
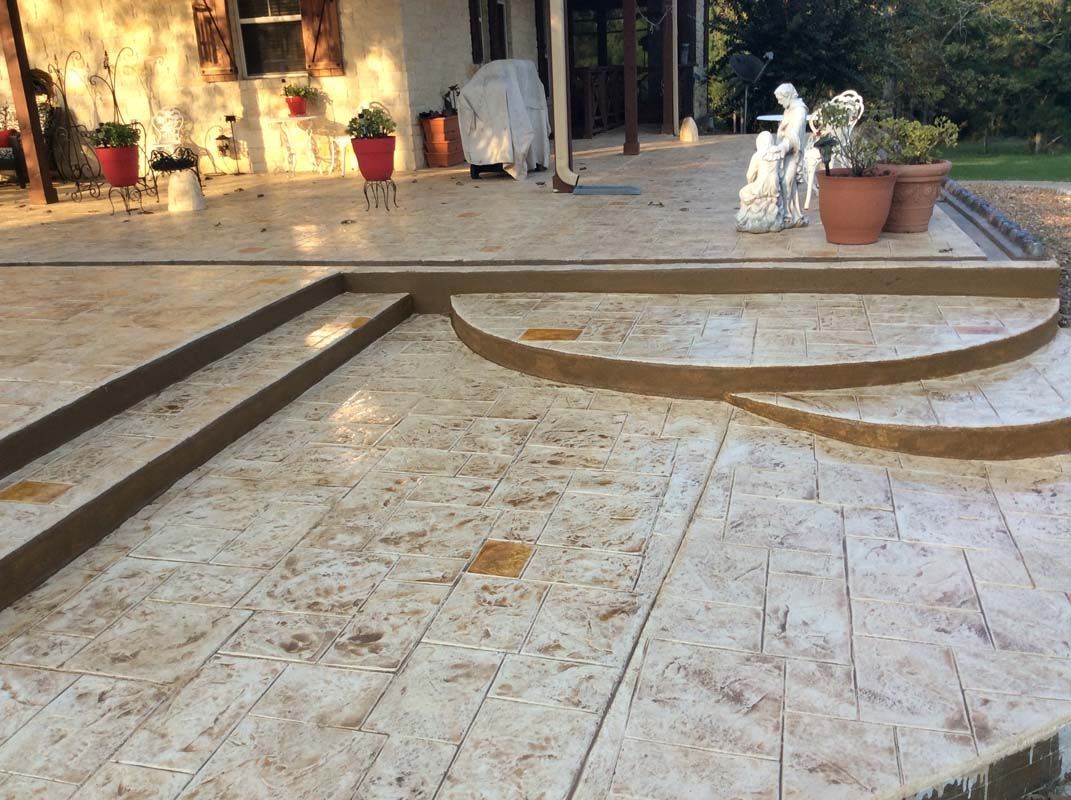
point(598, 99)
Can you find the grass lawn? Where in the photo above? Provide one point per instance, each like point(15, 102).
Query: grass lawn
point(1007, 163)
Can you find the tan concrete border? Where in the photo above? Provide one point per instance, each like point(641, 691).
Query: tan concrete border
point(996, 443)
point(432, 289)
point(697, 382)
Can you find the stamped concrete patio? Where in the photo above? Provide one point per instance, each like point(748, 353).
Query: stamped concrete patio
point(415, 573)
point(685, 212)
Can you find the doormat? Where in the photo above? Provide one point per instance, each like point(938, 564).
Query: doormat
point(596, 189)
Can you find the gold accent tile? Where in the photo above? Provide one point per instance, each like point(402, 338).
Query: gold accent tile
point(505, 559)
point(41, 492)
point(551, 335)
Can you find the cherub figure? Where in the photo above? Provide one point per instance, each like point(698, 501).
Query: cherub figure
point(761, 205)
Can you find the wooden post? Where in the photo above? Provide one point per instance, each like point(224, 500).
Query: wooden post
point(18, 71)
point(632, 85)
point(669, 68)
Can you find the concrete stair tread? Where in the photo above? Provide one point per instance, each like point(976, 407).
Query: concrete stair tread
point(1023, 404)
point(79, 473)
point(710, 345)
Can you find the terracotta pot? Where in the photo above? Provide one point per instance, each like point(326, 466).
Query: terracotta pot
point(917, 189)
point(441, 129)
point(375, 157)
point(6, 136)
point(298, 106)
point(853, 210)
point(119, 164)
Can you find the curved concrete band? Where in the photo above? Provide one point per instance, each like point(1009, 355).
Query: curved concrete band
point(698, 382)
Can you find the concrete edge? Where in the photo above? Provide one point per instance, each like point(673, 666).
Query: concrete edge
point(996, 443)
point(36, 560)
point(695, 382)
point(1006, 233)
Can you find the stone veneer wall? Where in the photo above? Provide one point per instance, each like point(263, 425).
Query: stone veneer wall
point(402, 53)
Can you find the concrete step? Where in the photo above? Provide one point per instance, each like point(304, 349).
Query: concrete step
point(710, 346)
point(58, 505)
point(1017, 410)
point(104, 380)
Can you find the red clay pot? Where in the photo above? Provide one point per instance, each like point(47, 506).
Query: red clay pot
point(298, 106)
point(119, 164)
point(375, 157)
point(917, 189)
point(5, 137)
point(853, 210)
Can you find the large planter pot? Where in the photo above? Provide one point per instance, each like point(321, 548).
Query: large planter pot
point(853, 210)
point(917, 189)
point(298, 106)
point(442, 141)
point(119, 165)
point(375, 157)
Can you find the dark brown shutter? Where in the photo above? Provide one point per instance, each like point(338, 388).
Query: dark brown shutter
point(322, 34)
point(215, 48)
point(476, 30)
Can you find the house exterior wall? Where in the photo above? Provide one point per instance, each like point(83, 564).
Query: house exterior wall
point(402, 53)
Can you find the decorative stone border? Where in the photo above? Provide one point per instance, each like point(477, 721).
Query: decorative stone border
point(983, 214)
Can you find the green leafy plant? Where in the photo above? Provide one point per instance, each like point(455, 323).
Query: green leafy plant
point(114, 134)
point(301, 90)
point(854, 148)
point(908, 141)
point(372, 122)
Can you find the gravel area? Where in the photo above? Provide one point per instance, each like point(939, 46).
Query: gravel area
point(1046, 213)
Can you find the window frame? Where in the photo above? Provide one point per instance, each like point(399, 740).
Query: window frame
point(243, 65)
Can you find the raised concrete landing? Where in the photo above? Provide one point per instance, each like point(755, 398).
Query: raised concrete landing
point(58, 505)
point(707, 346)
point(1017, 410)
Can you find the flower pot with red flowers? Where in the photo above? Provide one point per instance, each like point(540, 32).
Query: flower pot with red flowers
point(910, 149)
point(297, 98)
point(116, 146)
point(854, 200)
point(372, 136)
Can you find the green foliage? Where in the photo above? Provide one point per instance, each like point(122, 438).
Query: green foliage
point(1005, 160)
point(301, 90)
point(373, 122)
point(998, 67)
point(856, 149)
point(908, 141)
point(114, 134)
point(821, 46)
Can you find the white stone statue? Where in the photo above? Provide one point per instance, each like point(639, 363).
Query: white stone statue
point(761, 206)
point(791, 141)
point(184, 192)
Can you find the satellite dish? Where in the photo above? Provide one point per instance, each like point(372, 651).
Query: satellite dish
point(749, 69)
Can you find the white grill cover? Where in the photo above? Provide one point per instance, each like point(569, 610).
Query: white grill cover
point(503, 117)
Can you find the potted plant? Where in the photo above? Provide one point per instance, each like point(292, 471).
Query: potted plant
point(116, 145)
point(909, 147)
point(853, 200)
point(7, 125)
point(372, 135)
point(297, 97)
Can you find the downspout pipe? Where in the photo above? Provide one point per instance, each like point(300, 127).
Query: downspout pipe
point(559, 71)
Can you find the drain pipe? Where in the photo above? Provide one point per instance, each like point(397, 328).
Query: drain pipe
point(565, 180)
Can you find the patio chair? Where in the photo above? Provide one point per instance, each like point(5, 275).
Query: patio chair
point(13, 160)
point(853, 101)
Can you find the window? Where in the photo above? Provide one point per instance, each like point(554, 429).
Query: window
point(271, 36)
point(494, 31)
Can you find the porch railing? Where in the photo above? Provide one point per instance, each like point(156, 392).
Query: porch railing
point(598, 99)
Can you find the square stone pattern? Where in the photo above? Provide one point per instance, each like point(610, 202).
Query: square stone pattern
point(432, 575)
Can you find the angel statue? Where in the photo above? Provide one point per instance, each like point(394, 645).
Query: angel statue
point(761, 206)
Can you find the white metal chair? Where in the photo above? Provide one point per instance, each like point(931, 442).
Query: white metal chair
point(851, 100)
